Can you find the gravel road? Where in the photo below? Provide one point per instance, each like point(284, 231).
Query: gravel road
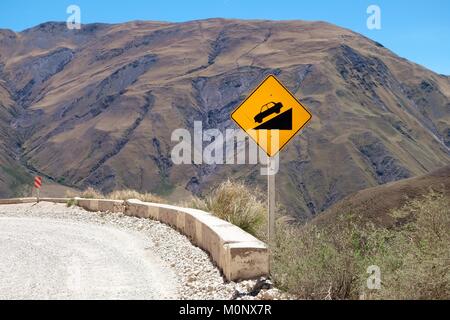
point(49, 251)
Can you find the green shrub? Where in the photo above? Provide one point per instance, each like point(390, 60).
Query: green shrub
point(424, 246)
point(317, 264)
point(331, 262)
point(71, 202)
point(236, 203)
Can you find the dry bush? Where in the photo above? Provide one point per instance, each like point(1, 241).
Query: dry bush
point(315, 263)
point(423, 244)
point(71, 194)
point(331, 262)
point(236, 203)
point(91, 193)
point(132, 194)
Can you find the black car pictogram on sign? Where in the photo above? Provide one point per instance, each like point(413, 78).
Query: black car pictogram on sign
point(275, 108)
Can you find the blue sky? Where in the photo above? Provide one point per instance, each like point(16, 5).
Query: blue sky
point(416, 30)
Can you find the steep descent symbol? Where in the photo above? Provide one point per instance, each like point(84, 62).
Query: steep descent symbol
point(271, 115)
point(280, 122)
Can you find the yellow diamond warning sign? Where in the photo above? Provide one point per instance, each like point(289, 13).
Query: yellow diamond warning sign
point(271, 115)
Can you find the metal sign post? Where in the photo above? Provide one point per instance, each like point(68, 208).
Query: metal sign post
point(37, 195)
point(271, 209)
point(271, 202)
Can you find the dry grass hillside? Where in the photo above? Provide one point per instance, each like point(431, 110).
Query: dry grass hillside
point(375, 204)
point(97, 106)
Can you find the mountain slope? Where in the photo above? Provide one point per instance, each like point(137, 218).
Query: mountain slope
point(97, 106)
point(375, 204)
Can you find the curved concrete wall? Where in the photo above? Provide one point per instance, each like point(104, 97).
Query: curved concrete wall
point(32, 200)
point(238, 254)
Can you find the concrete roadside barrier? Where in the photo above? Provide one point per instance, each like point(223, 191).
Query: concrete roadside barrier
point(237, 253)
point(32, 200)
point(100, 204)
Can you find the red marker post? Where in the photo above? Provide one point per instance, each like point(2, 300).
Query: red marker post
point(37, 185)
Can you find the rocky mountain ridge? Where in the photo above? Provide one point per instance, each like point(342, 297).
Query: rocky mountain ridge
point(97, 106)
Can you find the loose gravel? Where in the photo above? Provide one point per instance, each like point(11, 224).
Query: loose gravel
point(50, 251)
